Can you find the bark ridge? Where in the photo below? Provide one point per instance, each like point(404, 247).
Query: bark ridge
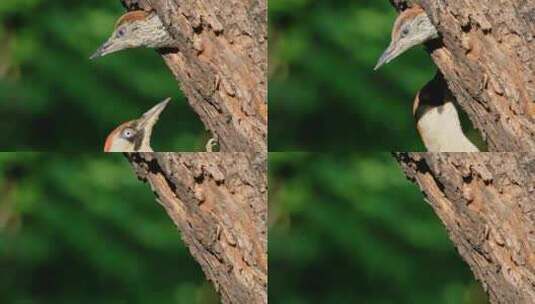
point(486, 202)
point(219, 203)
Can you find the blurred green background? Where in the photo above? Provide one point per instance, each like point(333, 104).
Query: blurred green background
point(323, 92)
point(344, 228)
point(53, 98)
point(80, 228)
point(350, 228)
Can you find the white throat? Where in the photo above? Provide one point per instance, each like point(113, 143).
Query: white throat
point(123, 145)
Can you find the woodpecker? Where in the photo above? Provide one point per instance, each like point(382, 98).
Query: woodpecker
point(437, 119)
point(134, 135)
point(136, 29)
point(412, 27)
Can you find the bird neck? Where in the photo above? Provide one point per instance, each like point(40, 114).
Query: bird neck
point(154, 33)
point(437, 119)
point(144, 148)
point(441, 131)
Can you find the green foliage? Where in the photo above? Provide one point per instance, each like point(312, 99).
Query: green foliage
point(324, 94)
point(83, 229)
point(349, 228)
point(53, 98)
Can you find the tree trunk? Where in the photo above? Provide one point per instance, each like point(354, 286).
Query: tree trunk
point(486, 201)
point(487, 55)
point(221, 64)
point(219, 203)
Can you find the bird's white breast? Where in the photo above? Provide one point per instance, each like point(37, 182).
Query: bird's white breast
point(440, 129)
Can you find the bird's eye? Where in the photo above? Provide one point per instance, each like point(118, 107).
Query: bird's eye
point(120, 33)
point(405, 32)
point(128, 133)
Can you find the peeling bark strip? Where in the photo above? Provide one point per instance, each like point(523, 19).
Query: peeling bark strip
point(219, 203)
point(221, 64)
point(487, 203)
point(488, 60)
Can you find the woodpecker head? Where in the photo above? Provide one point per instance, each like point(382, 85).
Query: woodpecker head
point(136, 29)
point(412, 27)
point(134, 135)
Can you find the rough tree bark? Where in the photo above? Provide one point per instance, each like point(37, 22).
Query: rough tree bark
point(487, 55)
point(486, 201)
point(221, 64)
point(219, 203)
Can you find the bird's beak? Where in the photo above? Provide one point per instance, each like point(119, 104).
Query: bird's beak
point(107, 48)
point(149, 118)
point(391, 52)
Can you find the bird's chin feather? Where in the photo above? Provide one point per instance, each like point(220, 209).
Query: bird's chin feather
point(121, 145)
